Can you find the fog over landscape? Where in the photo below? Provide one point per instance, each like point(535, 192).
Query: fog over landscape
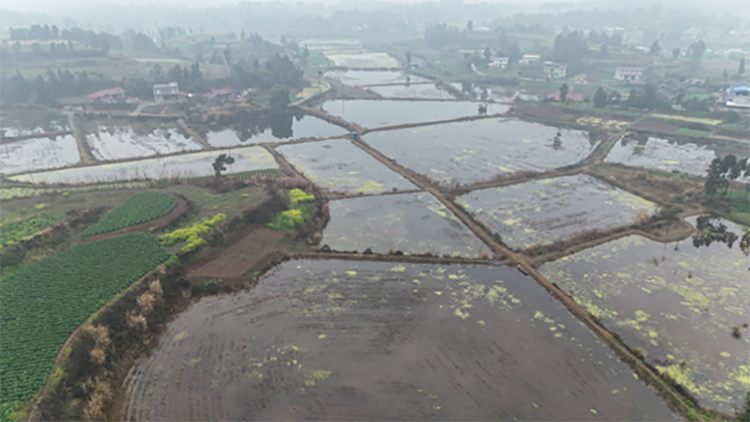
point(395, 210)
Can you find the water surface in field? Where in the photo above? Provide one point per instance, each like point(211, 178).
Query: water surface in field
point(468, 152)
point(194, 164)
point(676, 302)
point(337, 165)
point(361, 59)
point(662, 154)
point(276, 128)
point(24, 122)
point(342, 340)
point(380, 113)
point(371, 77)
point(427, 91)
point(543, 211)
point(118, 142)
point(38, 154)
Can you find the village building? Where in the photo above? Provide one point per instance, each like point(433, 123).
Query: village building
point(499, 63)
point(221, 94)
point(629, 74)
point(554, 70)
point(168, 92)
point(530, 59)
point(740, 97)
point(107, 95)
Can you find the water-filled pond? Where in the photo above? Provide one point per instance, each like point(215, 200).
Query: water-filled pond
point(38, 154)
point(543, 211)
point(410, 222)
point(677, 302)
point(361, 59)
point(380, 113)
point(371, 77)
point(337, 165)
point(342, 340)
point(194, 164)
point(426, 91)
point(118, 142)
point(276, 128)
point(468, 152)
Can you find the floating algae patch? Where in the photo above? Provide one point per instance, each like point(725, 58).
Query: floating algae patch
point(275, 128)
point(543, 211)
point(410, 223)
point(482, 349)
point(338, 165)
point(427, 91)
point(380, 113)
point(662, 154)
point(38, 154)
point(371, 77)
point(677, 302)
point(487, 148)
point(196, 164)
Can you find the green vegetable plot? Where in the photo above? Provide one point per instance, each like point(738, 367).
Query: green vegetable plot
point(140, 208)
point(42, 304)
point(12, 232)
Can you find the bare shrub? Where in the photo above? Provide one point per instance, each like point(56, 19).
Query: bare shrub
point(146, 302)
point(485, 255)
point(98, 356)
point(136, 322)
point(94, 409)
point(642, 218)
point(155, 288)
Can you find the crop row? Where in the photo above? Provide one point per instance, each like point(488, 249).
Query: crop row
point(19, 191)
point(43, 303)
point(139, 208)
point(12, 232)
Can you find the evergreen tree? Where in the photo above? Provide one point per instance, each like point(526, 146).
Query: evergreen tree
point(742, 66)
point(564, 92)
point(600, 98)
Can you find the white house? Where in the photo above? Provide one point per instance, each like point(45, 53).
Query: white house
point(529, 59)
point(166, 92)
point(554, 70)
point(629, 74)
point(499, 63)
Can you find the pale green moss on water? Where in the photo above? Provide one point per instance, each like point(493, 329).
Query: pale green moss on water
point(675, 301)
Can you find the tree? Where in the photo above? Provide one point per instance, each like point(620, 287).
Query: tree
point(228, 56)
point(469, 25)
point(487, 53)
point(697, 49)
point(742, 66)
point(655, 48)
point(722, 172)
point(564, 92)
point(219, 163)
point(676, 53)
point(279, 97)
point(600, 98)
point(408, 57)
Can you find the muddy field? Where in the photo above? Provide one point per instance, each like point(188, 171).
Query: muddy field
point(374, 114)
point(337, 340)
point(339, 166)
point(38, 154)
point(369, 77)
point(187, 165)
point(118, 142)
point(547, 210)
point(487, 148)
point(676, 302)
point(282, 128)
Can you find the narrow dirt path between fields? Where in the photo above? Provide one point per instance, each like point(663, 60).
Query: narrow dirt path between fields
point(178, 210)
point(83, 150)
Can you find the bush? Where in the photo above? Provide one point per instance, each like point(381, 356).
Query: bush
point(193, 235)
point(300, 204)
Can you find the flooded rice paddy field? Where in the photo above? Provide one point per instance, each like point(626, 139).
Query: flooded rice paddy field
point(24, 122)
point(194, 164)
point(38, 154)
point(338, 165)
point(361, 59)
point(381, 113)
point(426, 91)
point(677, 302)
point(342, 340)
point(411, 223)
point(371, 77)
point(118, 142)
point(543, 211)
point(276, 129)
point(468, 152)
point(662, 154)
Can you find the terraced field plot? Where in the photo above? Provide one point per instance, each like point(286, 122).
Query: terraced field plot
point(468, 152)
point(38, 154)
point(118, 142)
point(361, 59)
point(411, 223)
point(369, 77)
point(24, 122)
point(380, 113)
point(182, 166)
point(547, 210)
point(338, 165)
point(287, 127)
point(676, 302)
point(339, 340)
point(424, 91)
point(662, 154)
